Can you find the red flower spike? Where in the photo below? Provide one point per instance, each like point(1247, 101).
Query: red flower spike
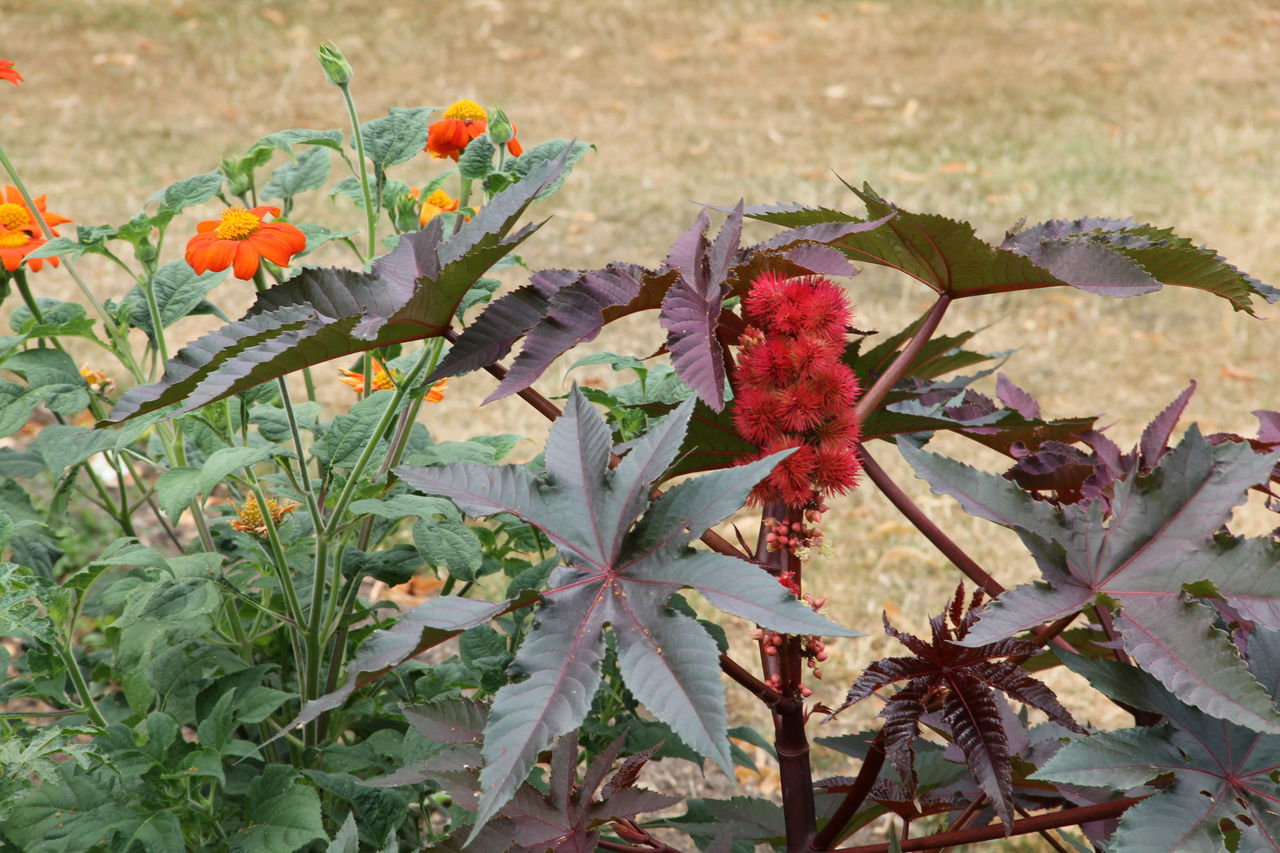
point(793, 390)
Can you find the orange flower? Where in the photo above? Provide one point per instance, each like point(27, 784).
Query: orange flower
point(240, 238)
point(8, 72)
point(383, 380)
point(436, 393)
point(16, 216)
point(462, 122)
point(16, 245)
point(435, 204)
point(95, 378)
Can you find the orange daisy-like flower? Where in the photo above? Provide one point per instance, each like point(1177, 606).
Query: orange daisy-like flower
point(8, 72)
point(16, 216)
point(436, 392)
point(462, 122)
point(95, 378)
point(240, 238)
point(16, 245)
point(435, 204)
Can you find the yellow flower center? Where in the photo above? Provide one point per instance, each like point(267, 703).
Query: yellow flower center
point(467, 111)
point(439, 198)
point(14, 239)
point(13, 216)
point(237, 224)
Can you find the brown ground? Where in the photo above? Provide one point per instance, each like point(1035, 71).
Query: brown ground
point(989, 111)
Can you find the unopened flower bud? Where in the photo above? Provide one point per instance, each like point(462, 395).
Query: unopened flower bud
point(500, 130)
point(335, 65)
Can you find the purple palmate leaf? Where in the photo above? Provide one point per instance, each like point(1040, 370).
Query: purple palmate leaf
point(623, 556)
point(1158, 541)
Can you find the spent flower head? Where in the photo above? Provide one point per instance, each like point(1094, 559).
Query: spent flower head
point(250, 518)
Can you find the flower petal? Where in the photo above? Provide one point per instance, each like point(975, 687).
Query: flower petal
point(246, 263)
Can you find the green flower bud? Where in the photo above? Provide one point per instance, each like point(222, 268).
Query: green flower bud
point(335, 65)
point(500, 130)
point(238, 179)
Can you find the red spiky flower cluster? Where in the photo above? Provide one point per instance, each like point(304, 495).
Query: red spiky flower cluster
point(792, 389)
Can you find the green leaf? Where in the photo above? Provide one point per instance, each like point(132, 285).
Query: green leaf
point(477, 160)
point(423, 627)
point(397, 137)
point(394, 566)
point(178, 196)
point(284, 140)
point(347, 840)
point(349, 434)
point(178, 487)
point(381, 811)
point(21, 595)
point(318, 235)
point(545, 152)
point(405, 506)
point(280, 815)
point(309, 172)
point(60, 319)
point(411, 294)
point(53, 376)
point(448, 545)
point(179, 292)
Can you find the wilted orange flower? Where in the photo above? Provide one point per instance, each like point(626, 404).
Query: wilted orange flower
point(239, 238)
point(16, 245)
point(250, 515)
point(16, 216)
point(96, 379)
point(8, 72)
point(382, 379)
point(462, 122)
point(436, 392)
point(435, 204)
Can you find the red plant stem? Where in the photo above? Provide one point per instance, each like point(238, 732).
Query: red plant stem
point(795, 775)
point(1066, 817)
point(755, 686)
point(925, 525)
point(856, 796)
point(872, 399)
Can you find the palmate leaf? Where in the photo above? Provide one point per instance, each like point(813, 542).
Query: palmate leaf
point(1220, 771)
point(1157, 542)
point(963, 681)
point(1106, 256)
point(622, 556)
point(554, 314)
point(319, 314)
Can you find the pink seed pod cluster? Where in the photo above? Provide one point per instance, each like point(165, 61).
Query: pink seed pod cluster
point(792, 390)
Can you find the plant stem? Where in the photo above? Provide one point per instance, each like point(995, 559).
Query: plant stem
point(872, 399)
point(371, 214)
point(82, 687)
point(925, 525)
point(1066, 817)
point(755, 686)
point(348, 488)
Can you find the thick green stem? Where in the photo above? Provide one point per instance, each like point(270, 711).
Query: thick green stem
point(388, 414)
point(82, 687)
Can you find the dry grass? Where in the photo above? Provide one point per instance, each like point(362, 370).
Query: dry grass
point(989, 111)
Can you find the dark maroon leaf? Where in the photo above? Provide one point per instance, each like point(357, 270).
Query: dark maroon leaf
point(1015, 398)
point(1160, 538)
point(1155, 438)
point(961, 681)
point(622, 558)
